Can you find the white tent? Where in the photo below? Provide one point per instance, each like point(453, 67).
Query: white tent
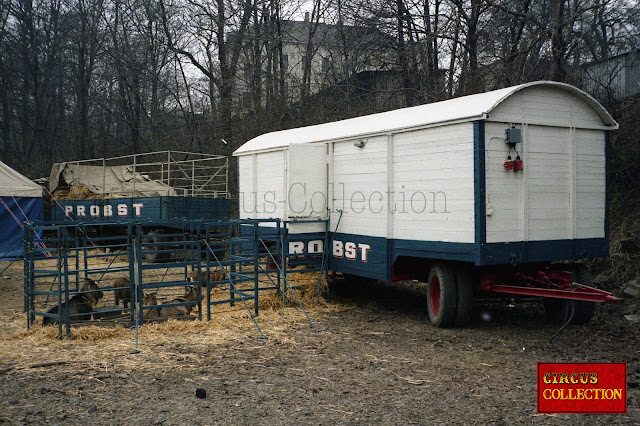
point(20, 201)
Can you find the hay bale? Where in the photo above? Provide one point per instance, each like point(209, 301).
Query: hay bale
point(79, 192)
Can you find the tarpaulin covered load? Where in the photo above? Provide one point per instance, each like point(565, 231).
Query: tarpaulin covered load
point(105, 182)
point(20, 201)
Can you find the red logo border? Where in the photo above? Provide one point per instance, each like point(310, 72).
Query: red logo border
point(586, 412)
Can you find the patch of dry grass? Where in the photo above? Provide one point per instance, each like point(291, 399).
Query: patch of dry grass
point(22, 349)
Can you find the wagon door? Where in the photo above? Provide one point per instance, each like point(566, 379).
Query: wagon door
point(534, 204)
point(306, 191)
point(549, 183)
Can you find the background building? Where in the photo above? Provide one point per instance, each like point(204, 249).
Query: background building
point(615, 78)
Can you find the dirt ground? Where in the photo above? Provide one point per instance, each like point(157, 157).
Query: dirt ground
point(375, 360)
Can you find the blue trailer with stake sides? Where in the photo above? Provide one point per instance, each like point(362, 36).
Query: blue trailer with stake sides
point(151, 187)
point(140, 208)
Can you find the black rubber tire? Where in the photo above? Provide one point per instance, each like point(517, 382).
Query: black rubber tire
point(441, 295)
point(553, 310)
point(151, 256)
point(557, 310)
point(464, 296)
point(583, 310)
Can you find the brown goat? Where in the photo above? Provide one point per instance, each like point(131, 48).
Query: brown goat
point(82, 303)
point(190, 295)
point(123, 292)
point(216, 275)
point(149, 314)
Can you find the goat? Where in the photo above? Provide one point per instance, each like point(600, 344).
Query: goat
point(190, 295)
point(216, 275)
point(149, 314)
point(123, 292)
point(81, 303)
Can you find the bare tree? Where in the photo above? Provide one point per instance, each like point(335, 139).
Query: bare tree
point(36, 46)
point(219, 51)
point(80, 78)
point(83, 23)
point(6, 112)
point(311, 47)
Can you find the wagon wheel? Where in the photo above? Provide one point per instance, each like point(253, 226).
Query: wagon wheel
point(149, 252)
point(441, 295)
point(583, 310)
point(557, 310)
point(553, 310)
point(464, 296)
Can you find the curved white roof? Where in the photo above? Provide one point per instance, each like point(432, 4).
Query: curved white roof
point(466, 108)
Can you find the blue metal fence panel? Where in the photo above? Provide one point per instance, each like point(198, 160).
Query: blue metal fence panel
point(236, 257)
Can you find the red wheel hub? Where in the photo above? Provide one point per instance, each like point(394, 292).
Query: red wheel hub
point(434, 295)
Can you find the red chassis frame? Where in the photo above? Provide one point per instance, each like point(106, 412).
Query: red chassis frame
point(557, 284)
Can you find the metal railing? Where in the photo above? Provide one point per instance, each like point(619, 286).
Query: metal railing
point(178, 173)
point(225, 262)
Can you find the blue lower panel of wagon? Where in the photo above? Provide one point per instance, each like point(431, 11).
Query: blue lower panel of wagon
point(373, 257)
point(360, 255)
point(142, 208)
point(542, 251)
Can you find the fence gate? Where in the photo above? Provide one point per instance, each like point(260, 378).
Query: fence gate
point(134, 272)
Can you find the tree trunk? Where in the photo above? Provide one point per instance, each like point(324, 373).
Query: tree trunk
point(452, 58)
point(403, 54)
point(256, 68)
point(558, 65)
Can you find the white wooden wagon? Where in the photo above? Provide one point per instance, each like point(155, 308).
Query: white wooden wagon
point(481, 192)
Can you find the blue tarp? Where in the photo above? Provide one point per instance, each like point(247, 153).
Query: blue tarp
point(11, 233)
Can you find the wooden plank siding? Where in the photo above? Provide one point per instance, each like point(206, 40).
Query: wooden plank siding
point(360, 174)
point(548, 183)
point(431, 196)
point(262, 185)
point(504, 189)
point(547, 106)
point(246, 189)
point(590, 183)
point(561, 192)
point(427, 164)
point(270, 170)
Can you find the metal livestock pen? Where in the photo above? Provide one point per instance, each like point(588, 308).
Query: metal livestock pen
point(234, 263)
